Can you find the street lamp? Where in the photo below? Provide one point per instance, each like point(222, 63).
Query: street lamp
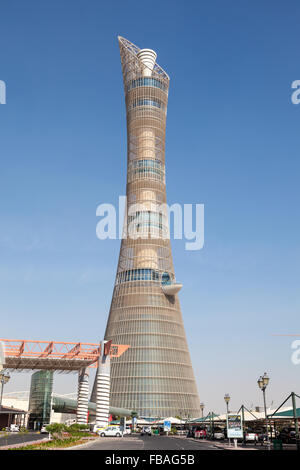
point(202, 408)
point(227, 400)
point(263, 383)
point(4, 378)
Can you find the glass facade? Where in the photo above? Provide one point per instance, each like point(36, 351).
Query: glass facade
point(152, 169)
point(147, 102)
point(146, 81)
point(143, 275)
point(40, 399)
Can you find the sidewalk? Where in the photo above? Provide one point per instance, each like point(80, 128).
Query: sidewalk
point(224, 445)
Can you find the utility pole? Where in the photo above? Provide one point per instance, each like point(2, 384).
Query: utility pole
point(295, 415)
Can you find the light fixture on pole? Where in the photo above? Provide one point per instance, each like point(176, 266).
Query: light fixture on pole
point(227, 400)
point(263, 383)
point(4, 378)
point(202, 408)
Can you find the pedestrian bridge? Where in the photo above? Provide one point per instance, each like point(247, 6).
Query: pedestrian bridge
point(52, 355)
point(22, 355)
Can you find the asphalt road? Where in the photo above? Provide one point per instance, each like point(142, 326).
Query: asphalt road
point(16, 438)
point(148, 443)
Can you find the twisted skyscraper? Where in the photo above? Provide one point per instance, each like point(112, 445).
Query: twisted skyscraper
point(155, 376)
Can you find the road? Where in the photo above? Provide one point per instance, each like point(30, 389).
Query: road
point(16, 438)
point(142, 443)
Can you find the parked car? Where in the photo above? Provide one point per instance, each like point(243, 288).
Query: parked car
point(43, 429)
point(287, 435)
point(14, 428)
point(110, 431)
point(201, 434)
point(218, 433)
point(251, 436)
point(191, 432)
point(146, 430)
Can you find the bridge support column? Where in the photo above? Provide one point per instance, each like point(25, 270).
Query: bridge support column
point(83, 396)
point(103, 387)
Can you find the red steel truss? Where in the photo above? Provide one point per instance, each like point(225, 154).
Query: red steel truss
point(54, 355)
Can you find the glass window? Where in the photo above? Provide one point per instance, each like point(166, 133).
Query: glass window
point(146, 81)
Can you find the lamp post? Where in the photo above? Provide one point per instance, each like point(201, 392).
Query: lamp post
point(4, 378)
point(227, 400)
point(202, 408)
point(263, 383)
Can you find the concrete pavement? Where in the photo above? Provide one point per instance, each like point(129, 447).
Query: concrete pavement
point(141, 443)
point(16, 438)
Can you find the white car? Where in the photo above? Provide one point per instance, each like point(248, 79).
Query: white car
point(110, 431)
point(251, 436)
point(14, 428)
point(219, 435)
point(127, 430)
point(43, 429)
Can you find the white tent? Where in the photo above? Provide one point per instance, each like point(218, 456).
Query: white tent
point(171, 419)
point(144, 422)
point(253, 416)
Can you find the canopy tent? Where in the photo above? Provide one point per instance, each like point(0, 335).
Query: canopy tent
point(172, 421)
point(205, 419)
point(144, 422)
point(253, 416)
point(286, 414)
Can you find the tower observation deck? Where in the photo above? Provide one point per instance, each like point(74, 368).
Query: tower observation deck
point(155, 377)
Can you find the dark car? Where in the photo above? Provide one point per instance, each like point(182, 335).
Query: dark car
point(287, 436)
point(146, 431)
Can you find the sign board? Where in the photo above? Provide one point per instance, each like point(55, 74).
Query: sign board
point(234, 426)
point(167, 426)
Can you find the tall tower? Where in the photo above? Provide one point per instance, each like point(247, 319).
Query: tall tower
point(155, 376)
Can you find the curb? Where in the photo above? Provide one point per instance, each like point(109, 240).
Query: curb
point(86, 444)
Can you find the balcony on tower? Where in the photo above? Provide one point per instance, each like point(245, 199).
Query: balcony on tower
point(169, 286)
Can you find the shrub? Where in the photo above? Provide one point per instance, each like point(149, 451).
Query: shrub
point(61, 431)
point(57, 430)
point(77, 427)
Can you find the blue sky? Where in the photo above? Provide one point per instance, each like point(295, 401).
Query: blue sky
point(232, 144)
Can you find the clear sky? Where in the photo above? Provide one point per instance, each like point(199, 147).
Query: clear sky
point(232, 144)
